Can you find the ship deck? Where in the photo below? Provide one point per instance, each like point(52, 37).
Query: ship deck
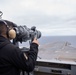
point(57, 51)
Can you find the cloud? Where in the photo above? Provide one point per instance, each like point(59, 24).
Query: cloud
point(58, 32)
point(47, 15)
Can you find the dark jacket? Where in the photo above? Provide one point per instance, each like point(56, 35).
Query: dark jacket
point(12, 59)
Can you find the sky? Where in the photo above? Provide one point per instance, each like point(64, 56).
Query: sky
point(51, 17)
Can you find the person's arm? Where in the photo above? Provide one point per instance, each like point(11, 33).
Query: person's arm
point(22, 60)
point(34, 41)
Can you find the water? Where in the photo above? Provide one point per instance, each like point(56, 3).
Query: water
point(50, 39)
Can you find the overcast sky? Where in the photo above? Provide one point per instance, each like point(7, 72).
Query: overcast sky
point(51, 17)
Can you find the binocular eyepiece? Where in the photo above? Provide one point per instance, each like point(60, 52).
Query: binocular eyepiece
point(23, 33)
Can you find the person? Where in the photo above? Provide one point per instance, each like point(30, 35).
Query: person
point(12, 59)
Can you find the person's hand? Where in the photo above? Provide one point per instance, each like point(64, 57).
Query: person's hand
point(35, 41)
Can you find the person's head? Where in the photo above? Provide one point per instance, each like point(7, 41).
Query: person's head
point(6, 29)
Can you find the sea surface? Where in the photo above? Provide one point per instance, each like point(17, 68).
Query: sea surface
point(50, 39)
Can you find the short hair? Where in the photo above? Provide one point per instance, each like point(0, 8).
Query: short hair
point(3, 28)
point(4, 24)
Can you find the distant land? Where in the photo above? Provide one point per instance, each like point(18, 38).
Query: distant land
point(51, 39)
